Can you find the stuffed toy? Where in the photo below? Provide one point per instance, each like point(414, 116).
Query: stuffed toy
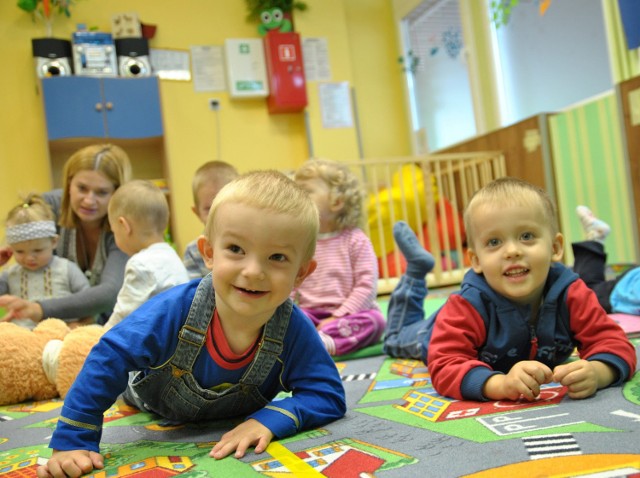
point(42, 363)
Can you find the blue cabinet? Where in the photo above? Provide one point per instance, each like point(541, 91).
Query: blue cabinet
point(88, 107)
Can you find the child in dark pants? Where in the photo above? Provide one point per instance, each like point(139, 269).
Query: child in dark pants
point(619, 295)
point(519, 314)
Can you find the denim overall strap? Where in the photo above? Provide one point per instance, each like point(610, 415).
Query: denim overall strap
point(271, 346)
point(174, 393)
point(193, 333)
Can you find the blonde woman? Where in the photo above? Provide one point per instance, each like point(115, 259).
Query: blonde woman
point(90, 177)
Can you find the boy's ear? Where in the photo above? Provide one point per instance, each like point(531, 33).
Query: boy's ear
point(195, 211)
point(473, 260)
point(305, 271)
point(206, 251)
point(54, 240)
point(125, 224)
point(557, 248)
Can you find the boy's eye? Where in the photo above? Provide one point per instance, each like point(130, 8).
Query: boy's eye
point(493, 242)
point(235, 249)
point(278, 257)
point(527, 236)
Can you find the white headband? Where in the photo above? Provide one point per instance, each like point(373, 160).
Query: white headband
point(30, 230)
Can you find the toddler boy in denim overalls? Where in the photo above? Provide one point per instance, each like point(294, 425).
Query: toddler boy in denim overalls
point(220, 347)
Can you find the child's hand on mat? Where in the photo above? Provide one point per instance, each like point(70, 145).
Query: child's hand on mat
point(72, 463)
point(584, 377)
point(523, 380)
point(248, 433)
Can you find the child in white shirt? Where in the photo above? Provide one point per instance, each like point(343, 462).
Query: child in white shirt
point(139, 215)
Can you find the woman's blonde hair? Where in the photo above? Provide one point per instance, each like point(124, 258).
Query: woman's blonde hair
point(510, 190)
point(273, 191)
point(342, 183)
point(109, 159)
point(143, 203)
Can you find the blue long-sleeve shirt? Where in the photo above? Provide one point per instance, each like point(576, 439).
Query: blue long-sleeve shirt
point(148, 337)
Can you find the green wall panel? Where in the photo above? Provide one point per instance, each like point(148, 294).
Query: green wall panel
point(590, 169)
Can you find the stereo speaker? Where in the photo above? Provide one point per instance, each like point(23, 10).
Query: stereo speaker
point(52, 57)
point(133, 57)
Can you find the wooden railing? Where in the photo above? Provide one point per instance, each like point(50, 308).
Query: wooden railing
point(429, 193)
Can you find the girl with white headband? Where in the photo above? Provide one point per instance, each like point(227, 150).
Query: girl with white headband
point(90, 177)
point(38, 273)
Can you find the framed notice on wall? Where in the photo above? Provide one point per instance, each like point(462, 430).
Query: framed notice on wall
point(170, 64)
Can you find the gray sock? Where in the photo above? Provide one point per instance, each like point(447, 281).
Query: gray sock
point(419, 260)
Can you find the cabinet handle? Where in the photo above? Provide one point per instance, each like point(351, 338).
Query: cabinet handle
point(98, 106)
point(109, 105)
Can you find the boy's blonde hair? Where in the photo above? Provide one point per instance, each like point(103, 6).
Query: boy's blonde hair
point(143, 203)
point(342, 183)
point(217, 173)
point(510, 190)
point(109, 159)
point(273, 191)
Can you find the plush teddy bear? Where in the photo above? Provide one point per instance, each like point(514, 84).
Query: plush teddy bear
point(42, 363)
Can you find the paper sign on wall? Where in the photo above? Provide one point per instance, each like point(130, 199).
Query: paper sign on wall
point(335, 104)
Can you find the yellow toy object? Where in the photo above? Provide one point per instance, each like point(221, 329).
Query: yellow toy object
point(387, 206)
point(42, 363)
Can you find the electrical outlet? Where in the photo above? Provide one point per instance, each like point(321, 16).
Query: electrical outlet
point(214, 105)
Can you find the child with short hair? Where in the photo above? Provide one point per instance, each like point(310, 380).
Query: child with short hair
point(38, 274)
point(221, 347)
point(520, 313)
point(207, 182)
point(340, 296)
point(139, 215)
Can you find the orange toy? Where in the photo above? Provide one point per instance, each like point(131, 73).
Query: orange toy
point(42, 363)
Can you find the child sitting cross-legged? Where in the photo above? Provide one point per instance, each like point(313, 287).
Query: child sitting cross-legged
point(340, 296)
point(519, 315)
point(220, 347)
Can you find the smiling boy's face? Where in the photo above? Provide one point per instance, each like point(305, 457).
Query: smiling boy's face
point(514, 247)
point(258, 256)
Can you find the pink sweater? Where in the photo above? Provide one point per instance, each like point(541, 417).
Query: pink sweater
point(346, 279)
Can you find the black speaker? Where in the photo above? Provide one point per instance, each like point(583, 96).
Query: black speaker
point(133, 56)
point(52, 57)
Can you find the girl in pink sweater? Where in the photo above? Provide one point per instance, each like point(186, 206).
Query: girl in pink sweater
point(340, 296)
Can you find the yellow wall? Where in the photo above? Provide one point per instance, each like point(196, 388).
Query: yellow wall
point(362, 48)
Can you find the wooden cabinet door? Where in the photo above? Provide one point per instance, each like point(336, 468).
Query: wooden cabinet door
point(73, 107)
point(86, 107)
point(132, 107)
